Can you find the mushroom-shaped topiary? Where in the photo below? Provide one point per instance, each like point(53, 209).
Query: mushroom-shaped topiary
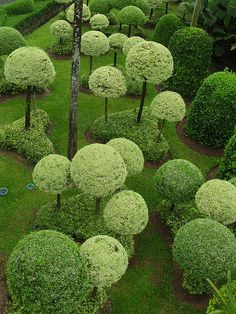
point(168, 106)
point(178, 181)
point(86, 14)
point(107, 260)
point(107, 82)
point(10, 40)
point(99, 21)
point(126, 213)
point(52, 174)
point(62, 30)
point(29, 67)
point(100, 6)
point(98, 170)
point(131, 154)
point(131, 16)
point(149, 62)
point(131, 42)
point(47, 274)
point(204, 248)
point(153, 4)
point(116, 42)
point(94, 43)
point(216, 199)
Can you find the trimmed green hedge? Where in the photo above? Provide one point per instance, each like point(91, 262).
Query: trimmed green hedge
point(19, 7)
point(3, 17)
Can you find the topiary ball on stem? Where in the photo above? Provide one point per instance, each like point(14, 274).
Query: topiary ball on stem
point(52, 174)
point(178, 181)
point(204, 248)
point(10, 40)
point(216, 199)
point(149, 62)
point(153, 4)
point(107, 260)
point(85, 15)
point(62, 30)
point(126, 213)
point(131, 42)
point(99, 21)
point(116, 42)
point(46, 274)
point(131, 154)
point(100, 6)
point(107, 82)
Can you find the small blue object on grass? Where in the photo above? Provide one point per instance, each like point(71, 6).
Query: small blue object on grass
point(30, 186)
point(3, 191)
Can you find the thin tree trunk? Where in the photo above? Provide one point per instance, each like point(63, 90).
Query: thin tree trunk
point(142, 101)
point(129, 32)
point(161, 129)
point(74, 87)
point(90, 64)
point(115, 58)
point(27, 108)
point(97, 206)
point(35, 100)
point(87, 2)
point(151, 13)
point(120, 28)
point(58, 201)
point(196, 12)
point(167, 6)
point(94, 292)
point(61, 46)
point(106, 109)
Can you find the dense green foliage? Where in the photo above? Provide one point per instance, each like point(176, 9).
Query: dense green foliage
point(131, 15)
point(10, 39)
point(100, 6)
point(165, 28)
point(131, 42)
point(122, 3)
point(46, 273)
point(94, 43)
point(178, 180)
point(85, 15)
point(99, 21)
point(3, 17)
point(212, 116)
point(204, 248)
point(227, 169)
point(19, 7)
point(191, 49)
point(61, 29)
point(117, 40)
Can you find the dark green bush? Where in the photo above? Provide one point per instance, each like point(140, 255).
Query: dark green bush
point(100, 6)
point(191, 48)
point(32, 143)
point(227, 169)
point(84, 79)
point(46, 274)
point(204, 248)
point(212, 116)
point(165, 28)
point(143, 5)
point(62, 50)
point(3, 17)
point(10, 39)
point(144, 134)
point(131, 15)
point(19, 7)
point(122, 3)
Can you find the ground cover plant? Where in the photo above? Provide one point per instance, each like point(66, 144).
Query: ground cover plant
point(148, 284)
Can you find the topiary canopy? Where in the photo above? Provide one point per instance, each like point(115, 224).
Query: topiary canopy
point(131, 15)
point(61, 29)
point(10, 40)
point(99, 21)
point(100, 6)
point(117, 40)
point(131, 42)
point(94, 43)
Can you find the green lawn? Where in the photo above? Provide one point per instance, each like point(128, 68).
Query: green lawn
point(146, 287)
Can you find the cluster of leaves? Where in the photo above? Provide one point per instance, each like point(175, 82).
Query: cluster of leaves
point(227, 168)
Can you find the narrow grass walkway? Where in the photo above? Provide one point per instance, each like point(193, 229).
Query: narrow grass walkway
point(147, 286)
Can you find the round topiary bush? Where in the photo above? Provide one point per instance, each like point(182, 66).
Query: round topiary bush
point(166, 27)
point(191, 48)
point(126, 213)
point(212, 116)
point(227, 169)
point(100, 6)
point(131, 42)
point(10, 40)
point(178, 180)
point(131, 154)
point(85, 15)
point(204, 248)
point(216, 199)
point(131, 16)
point(61, 29)
point(107, 260)
point(98, 170)
point(46, 274)
point(99, 21)
point(116, 42)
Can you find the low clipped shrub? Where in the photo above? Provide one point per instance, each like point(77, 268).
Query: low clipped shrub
point(166, 27)
point(99, 21)
point(144, 134)
point(204, 248)
point(212, 116)
point(191, 48)
point(19, 7)
point(10, 40)
point(3, 17)
point(134, 87)
point(227, 168)
point(100, 6)
point(84, 79)
point(46, 273)
point(33, 143)
point(62, 50)
point(178, 180)
point(216, 199)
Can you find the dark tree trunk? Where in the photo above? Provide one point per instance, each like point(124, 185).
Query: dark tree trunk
point(35, 100)
point(196, 12)
point(167, 6)
point(129, 32)
point(90, 64)
point(151, 13)
point(27, 108)
point(74, 87)
point(106, 109)
point(58, 201)
point(61, 46)
point(161, 129)
point(115, 58)
point(87, 2)
point(97, 205)
point(120, 28)
point(94, 292)
point(142, 101)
